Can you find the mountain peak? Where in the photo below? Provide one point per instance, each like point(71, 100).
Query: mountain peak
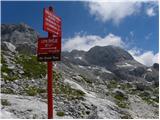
point(105, 55)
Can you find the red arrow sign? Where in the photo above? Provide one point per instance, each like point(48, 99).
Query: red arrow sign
point(51, 22)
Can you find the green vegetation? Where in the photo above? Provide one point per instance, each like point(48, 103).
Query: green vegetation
point(5, 102)
point(10, 78)
point(56, 75)
point(32, 90)
point(4, 69)
point(126, 86)
point(121, 101)
point(69, 92)
point(112, 84)
point(118, 97)
point(86, 79)
point(146, 95)
point(126, 115)
point(2, 59)
point(148, 99)
point(60, 113)
point(64, 89)
point(32, 68)
point(122, 104)
point(7, 91)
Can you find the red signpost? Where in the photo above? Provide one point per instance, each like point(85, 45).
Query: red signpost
point(51, 22)
point(49, 49)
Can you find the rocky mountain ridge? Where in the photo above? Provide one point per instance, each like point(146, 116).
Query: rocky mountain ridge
point(105, 82)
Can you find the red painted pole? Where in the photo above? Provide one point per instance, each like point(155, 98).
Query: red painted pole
point(50, 95)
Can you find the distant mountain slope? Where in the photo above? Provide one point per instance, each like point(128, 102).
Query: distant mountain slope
point(20, 35)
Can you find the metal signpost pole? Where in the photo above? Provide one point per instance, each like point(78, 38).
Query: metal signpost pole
point(50, 96)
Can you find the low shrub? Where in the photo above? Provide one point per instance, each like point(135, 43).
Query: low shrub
point(60, 113)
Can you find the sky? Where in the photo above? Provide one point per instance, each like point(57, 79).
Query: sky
point(131, 25)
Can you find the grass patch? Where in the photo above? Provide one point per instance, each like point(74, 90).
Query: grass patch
point(126, 116)
point(69, 92)
point(112, 84)
point(32, 68)
point(32, 91)
point(7, 91)
point(126, 86)
point(121, 101)
point(119, 97)
point(86, 79)
point(2, 60)
point(10, 78)
point(148, 99)
point(5, 68)
point(5, 102)
point(122, 104)
point(60, 113)
point(56, 76)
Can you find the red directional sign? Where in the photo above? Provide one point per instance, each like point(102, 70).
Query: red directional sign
point(51, 22)
point(49, 49)
point(49, 45)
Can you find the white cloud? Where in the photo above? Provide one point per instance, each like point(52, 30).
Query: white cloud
point(113, 11)
point(147, 58)
point(85, 42)
point(117, 10)
point(150, 12)
point(152, 9)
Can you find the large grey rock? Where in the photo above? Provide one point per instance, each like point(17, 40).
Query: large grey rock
point(7, 46)
point(119, 92)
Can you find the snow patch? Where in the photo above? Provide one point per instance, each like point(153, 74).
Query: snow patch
point(78, 58)
point(81, 66)
point(106, 71)
point(100, 68)
point(125, 65)
point(149, 70)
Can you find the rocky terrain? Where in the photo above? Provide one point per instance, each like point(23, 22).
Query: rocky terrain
point(104, 82)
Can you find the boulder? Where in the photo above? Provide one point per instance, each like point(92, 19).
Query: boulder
point(119, 92)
